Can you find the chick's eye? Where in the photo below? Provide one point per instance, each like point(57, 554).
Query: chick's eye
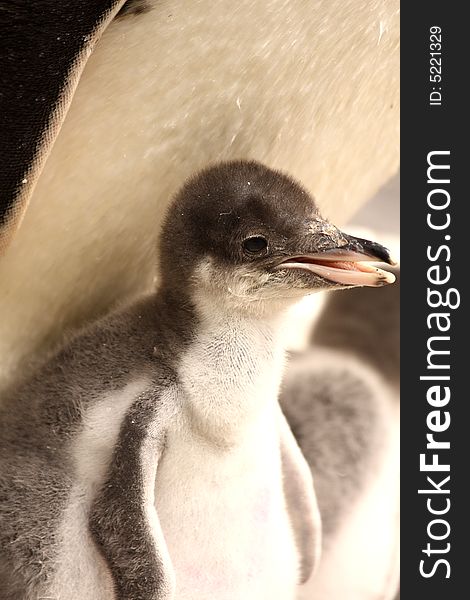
point(255, 244)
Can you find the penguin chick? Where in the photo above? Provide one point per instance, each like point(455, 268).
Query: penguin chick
point(341, 400)
point(147, 460)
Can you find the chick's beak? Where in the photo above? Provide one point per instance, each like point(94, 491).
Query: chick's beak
point(345, 260)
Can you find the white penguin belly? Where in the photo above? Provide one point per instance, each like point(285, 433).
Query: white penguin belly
point(224, 519)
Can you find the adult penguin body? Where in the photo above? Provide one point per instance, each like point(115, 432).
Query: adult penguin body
point(107, 113)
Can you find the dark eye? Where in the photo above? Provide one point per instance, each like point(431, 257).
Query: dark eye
point(255, 244)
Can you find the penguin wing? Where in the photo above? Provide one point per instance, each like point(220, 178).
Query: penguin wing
point(45, 47)
point(123, 519)
point(301, 500)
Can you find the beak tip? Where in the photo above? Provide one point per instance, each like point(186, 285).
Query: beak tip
point(388, 278)
point(388, 258)
point(375, 251)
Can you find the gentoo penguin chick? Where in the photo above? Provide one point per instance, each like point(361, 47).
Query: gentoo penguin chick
point(149, 458)
point(341, 400)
